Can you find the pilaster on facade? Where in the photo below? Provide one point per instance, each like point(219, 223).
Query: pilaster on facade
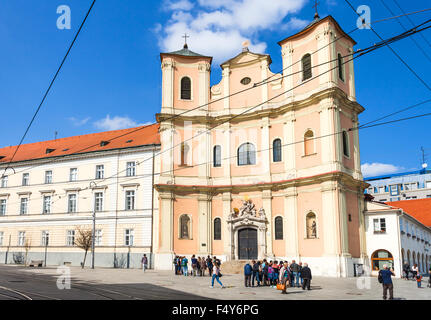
point(352, 89)
point(267, 206)
point(167, 221)
point(168, 67)
point(205, 222)
point(291, 222)
point(287, 56)
point(227, 245)
point(226, 87)
point(288, 142)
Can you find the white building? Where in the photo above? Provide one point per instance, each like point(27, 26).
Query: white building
point(51, 188)
point(394, 236)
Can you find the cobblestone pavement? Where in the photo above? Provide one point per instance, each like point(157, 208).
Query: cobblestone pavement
point(117, 284)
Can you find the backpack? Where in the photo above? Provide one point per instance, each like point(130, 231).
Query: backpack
point(380, 277)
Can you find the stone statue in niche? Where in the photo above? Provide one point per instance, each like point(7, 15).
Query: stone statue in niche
point(262, 213)
point(248, 208)
point(313, 230)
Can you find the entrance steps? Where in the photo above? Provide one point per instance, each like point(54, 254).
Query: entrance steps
point(233, 266)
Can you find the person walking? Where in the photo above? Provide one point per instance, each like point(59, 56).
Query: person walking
point(386, 280)
point(175, 262)
point(144, 262)
point(406, 270)
point(284, 277)
point(248, 270)
point(256, 266)
point(415, 270)
point(294, 268)
point(276, 272)
point(184, 265)
point(216, 275)
point(299, 273)
point(306, 277)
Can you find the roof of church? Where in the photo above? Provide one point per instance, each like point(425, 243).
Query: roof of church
point(109, 140)
point(316, 21)
point(246, 51)
point(185, 52)
point(420, 209)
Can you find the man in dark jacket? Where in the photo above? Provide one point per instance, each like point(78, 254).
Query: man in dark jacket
point(248, 270)
point(306, 276)
point(255, 273)
point(386, 275)
point(295, 277)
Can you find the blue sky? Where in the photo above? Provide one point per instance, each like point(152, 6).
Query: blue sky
point(112, 78)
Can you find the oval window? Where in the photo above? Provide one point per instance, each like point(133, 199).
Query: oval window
point(245, 81)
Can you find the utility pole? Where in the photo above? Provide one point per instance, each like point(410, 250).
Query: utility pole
point(93, 233)
point(46, 247)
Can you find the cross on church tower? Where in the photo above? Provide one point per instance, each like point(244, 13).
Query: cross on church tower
point(185, 36)
point(316, 3)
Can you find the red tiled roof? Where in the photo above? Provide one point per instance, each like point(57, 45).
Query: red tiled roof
point(127, 138)
point(419, 209)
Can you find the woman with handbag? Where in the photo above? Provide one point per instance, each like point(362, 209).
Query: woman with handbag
point(216, 276)
point(284, 278)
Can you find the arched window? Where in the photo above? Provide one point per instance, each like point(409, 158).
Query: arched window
point(217, 156)
point(414, 257)
point(278, 228)
point(184, 227)
point(276, 150)
point(309, 143)
point(184, 154)
point(306, 67)
point(340, 67)
point(246, 154)
point(408, 257)
point(346, 144)
point(186, 88)
point(381, 257)
point(217, 229)
point(311, 225)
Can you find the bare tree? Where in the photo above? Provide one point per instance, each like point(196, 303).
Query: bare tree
point(27, 247)
point(84, 241)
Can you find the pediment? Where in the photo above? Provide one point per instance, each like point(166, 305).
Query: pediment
point(245, 58)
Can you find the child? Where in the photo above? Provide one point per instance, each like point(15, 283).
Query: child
point(270, 275)
point(419, 280)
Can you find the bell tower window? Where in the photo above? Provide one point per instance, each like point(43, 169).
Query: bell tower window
point(186, 88)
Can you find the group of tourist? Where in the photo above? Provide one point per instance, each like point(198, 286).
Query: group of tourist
point(275, 273)
point(198, 267)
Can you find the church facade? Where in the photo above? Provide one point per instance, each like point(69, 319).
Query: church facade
point(263, 165)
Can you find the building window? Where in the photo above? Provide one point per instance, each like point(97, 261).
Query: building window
point(4, 182)
point(130, 200)
point(3, 204)
point(131, 169)
point(381, 257)
point(309, 143)
point(100, 169)
point(186, 88)
point(71, 203)
point(25, 179)
point(128, 237)
point(24, 206)
point(45, 238)
point(278, 228)
point(427, 184)
point(217, 156)
point(276, 150)
point(98, 237)
point(48, 177)
point(46, 204)
point(184, 227)
point(73, 176)
point(70, 238)
point(98, 201)
point(379, 225)
point(21, 238)
point(245, 81)
point(346, 144)
point(311, 225)
point(340, 67)
point(306, 67)
point(246, 154)
point(217, 229)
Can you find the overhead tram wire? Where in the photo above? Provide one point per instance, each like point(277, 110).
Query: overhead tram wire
point(236, 156)
point(394, 52)
point(412, 23)
point(412, 38)
point(225, 97)
point(361, 52)
point(50, 86)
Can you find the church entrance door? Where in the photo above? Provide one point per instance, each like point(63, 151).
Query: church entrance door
point(247, 244)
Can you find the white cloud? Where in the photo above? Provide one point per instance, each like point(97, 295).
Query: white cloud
point(376, 169)
point(78, 122)
point(218, 27)
point(178, 5)
point(117, 123)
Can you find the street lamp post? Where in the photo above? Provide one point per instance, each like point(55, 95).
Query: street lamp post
point(93, 233)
